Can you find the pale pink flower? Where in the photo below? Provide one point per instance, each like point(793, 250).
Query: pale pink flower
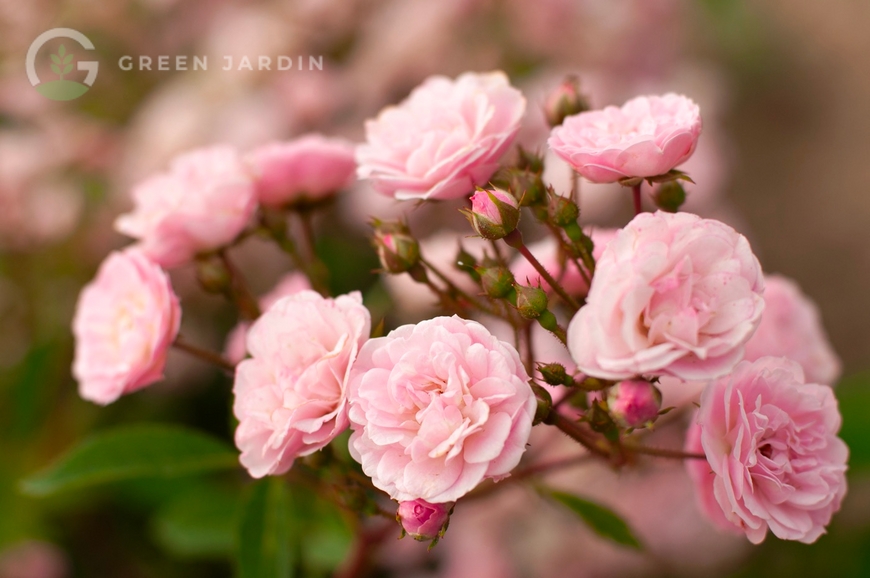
point(792, 327)
point(290, 284)
point(306, 169)
point(771, 443)
point(125, 321)
point(673, 294)
point(202, 203)
point(550, 256)
point(422, 520)
point(290, 396)
point(647, 136)
point(444, 139)
point(438, 407)
point(34, 559)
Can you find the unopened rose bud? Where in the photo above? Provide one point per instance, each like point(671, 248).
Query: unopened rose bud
point(527, 187)
point(529, 161)
point(212, 275)
point(398, 251)
point(555, 374)
point(634, 403)
point(565, 101)
point(531, 301)
point(562, 211)
point(493, 213)
point(496, 281)
point(422, 520)
point(669, 196)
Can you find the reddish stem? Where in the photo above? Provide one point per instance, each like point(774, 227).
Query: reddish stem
point(635, 193)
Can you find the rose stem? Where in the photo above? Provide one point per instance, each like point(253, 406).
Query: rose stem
point(515, 240)
point(246, 303)
point(203, 354)
point(635, 193)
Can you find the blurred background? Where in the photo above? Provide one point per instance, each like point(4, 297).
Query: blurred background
point(784, 91)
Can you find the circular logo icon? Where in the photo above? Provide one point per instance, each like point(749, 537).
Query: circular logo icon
point(62, 62)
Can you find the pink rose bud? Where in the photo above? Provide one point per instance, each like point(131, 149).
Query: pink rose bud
point(494, 213)
point(446, 138)
point(305, 170)
point(398, 251)
point(125, 321)
point(565, 101)
point(203, 203)
point(422, 520)
point(648, 136)
point(634, 403)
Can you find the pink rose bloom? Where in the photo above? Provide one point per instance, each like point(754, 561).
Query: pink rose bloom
point(444, 139)
point(422, 520)
point(438, 407)
point(648, 136)
point(125, 321)
point(290, 397)
point(548, 253)
point(771, 444)
point(290, 284)
point(307, 169)
point(673, 294)
point(202, 203)
point(792, 327)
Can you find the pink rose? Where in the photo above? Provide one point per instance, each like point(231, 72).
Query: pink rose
point(634, 403)
point(308, 169)
point(494, 213)
point(792, 327)
point(438, 407)
point(673, 294)
point(201, 204)
point(290, 396)
point(444, 139)
point(771, 444)
point(125, 321)
point(648, 136)
point(422, 520)
point(290, 284)
point(549, 254)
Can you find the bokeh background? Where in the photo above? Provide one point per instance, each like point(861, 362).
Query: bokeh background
point(784, 89)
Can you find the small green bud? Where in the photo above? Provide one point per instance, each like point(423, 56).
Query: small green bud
point(563, 211)
point(670, 196)
point(531, 301)
point(397, 250)
point(497, 282)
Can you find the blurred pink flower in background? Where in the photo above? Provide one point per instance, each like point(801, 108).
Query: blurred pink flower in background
point(792, 327)
point(125, 322)
point(647, 136)
point(202, 203)
point(771, 443)
point(290, 397)
point(673, 294)
point(438, 407)
point(307, 169)
point(289, 284)
point(34, 559)
point(548, 253)
point(444, 139)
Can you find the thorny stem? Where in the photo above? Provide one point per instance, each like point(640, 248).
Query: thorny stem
point(454, 288)
point(314, 267)
point(665, 453)
point(515, 240)
point(204, 355)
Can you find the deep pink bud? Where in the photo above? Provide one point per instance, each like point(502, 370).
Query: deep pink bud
point(422, 520)
point(494, 213)
point(634, 403)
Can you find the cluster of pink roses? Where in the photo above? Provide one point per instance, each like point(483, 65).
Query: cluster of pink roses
point(439, 406)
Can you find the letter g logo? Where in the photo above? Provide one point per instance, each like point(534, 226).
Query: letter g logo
point(62, 64)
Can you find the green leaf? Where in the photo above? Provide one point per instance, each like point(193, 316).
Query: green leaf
point(55, 58)
point(67, 58)
point(853, 394)
point(62, 50)
point(198, 523)
point(67, 69)
point(133, 452)
point(263, 533)
point(55, 69)
point(603, 521)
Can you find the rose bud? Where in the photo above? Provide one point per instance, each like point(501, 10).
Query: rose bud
point(531, 301)
point(497, 282)
point(493, 213)
point(398, 251)
point(565, 101)
point(669, 196)
point(563, 211)
point(635, 403)
point(422, 520)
